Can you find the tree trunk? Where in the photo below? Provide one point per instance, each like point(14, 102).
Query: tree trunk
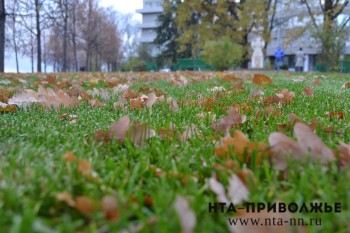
point(2, 35)
point(65, 35)
point(74, 42)
point(38, 34)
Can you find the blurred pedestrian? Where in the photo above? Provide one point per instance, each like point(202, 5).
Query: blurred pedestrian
point(279, 54)
point(299, 60)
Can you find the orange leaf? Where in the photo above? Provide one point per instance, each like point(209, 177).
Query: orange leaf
point(261, 79)
point(338, 115)
point(65, 197)
point(136, 103)
point(308, 91)
point(84, 166)
point(345, 85)
point(85, 205)
point(69, 157)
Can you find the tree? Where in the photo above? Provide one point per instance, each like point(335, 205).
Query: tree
point(167, 34)
point(329, 31)
point(198, 21)
point(222, 53)
point(2, 35)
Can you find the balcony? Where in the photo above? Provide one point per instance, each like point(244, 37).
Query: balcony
point(151, 6)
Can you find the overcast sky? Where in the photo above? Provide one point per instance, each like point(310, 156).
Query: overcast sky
point(124, 6)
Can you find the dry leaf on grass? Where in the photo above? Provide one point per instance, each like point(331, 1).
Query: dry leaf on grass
point(308, 91)
point(346, 85)
point(186, 216)
point(261, 79)
point(66, 197)
point(307, 144)
point(85, 205)
point(110, 208)
point(232, 119)
point(311, 143)
point(240, 146)
point(344, 154)
point(236, 194)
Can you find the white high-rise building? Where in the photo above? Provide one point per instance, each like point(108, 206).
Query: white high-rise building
point(150, 12)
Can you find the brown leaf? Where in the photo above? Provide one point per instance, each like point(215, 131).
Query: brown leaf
point(119, 128)
point(232, 119)
point(51, 79)
point(344, 154)
point(317, 82)
point(240, 146)
point(337, 115)
point(186, 216)
point(311, 143)
point(136, 103)
point(65, 197)
point(308, 91)
point(173, 104)
point(130, 95)
point(284, 148)
point(110, 208)
point(5, 108)
point(84, 167)
point(139, 133)
point(152, 99)
point(69, 157)
point(261, 79)
point(345, 85)
point(96, 103)
point(85, 205)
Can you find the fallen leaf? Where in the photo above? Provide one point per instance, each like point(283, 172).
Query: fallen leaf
point(311, 143)
point(344, 154)
point(119, 128)
point(346, 85)
point(96, 103)
point(136, 103)
point(139, 133)
point(85, 205)
point(308, 91)
point(237, 191)
point(283, 149)
point(337, 115)
point(110, 208)
point(65, 197)
point(173, 104)
point(84, 167)
point(232, 119)
point(152, 99)
point(69, 157)
point(261, 79)
point(186, 216)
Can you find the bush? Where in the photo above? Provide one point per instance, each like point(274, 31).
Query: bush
point(222, 54)
point(135, 64)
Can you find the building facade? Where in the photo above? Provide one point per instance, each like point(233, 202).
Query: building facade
point(288, 19)
point(150, 12)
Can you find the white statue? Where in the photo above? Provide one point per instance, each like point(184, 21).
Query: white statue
point(258, 56)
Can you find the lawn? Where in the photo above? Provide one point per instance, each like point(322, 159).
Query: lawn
point(149, 152)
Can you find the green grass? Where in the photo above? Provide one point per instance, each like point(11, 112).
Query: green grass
point(32, 171)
